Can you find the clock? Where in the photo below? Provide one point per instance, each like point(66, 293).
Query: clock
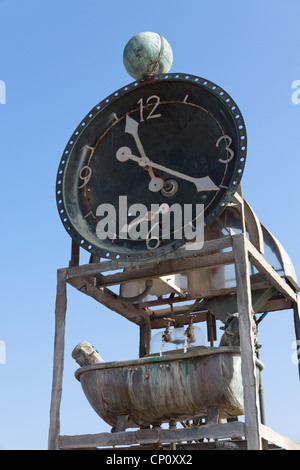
point(143, 158)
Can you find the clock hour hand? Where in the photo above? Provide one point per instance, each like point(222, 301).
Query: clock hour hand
point(156, 184)
point(202, 184)
point(131, 127)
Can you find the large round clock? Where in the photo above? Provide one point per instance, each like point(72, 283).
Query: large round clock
point(155, 148)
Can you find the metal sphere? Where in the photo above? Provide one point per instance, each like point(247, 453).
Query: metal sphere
point(147, 54)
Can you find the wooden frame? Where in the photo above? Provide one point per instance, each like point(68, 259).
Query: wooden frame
point(90, 280)
point(234, 430)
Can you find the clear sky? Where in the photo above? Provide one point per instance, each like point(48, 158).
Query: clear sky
point(58, 59)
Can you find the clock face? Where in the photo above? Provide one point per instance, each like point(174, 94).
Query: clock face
point(147, 163)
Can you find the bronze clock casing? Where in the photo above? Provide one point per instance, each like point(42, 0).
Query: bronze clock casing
point(184, 124)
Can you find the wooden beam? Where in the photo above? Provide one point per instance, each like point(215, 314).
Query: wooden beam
point(178, 310)
point(297, 329)
point(269, 272)
point(253, 224)
point(75, 251)
point(169, 267)
point(244, 304)
point(163, 301)
point(109, 300)
point(92, 441)
point(58, 359)
point(213, 293)
point(283, 442)
point(185, 252)
point(275, 305)
point(263, 299)
point(145, 337)
point(212, 431)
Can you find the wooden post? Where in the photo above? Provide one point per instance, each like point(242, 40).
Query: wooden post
point(145, 337)
point(75, 250)
point(58, 359)
point(297, 329)
point(244, 303)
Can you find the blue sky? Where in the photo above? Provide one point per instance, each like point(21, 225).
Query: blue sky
point(58, 59)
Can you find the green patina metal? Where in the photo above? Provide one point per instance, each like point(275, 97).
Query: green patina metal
point(147, 54)
point(157, 389)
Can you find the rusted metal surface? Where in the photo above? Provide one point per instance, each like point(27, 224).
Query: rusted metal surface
point(156, 389)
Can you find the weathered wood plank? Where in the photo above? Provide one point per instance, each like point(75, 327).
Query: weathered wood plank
point(145, 337)
point(178, 310)
point(252, 223)
point(273, 277)
point(109, 300)
point(165, 268)
point(275, 305)
point(87, 441)
point(297, 329)
point(208, 294)
point(58, 359)
point(244, 303)
point(184, 252)
point(272, 436)
point(212, 431)
point(75, 253)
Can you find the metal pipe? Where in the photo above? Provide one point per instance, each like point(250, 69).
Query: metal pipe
point(136, 298)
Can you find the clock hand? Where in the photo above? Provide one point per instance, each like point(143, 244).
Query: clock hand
point(131, 127)
point(202, 184)
point(156, 183)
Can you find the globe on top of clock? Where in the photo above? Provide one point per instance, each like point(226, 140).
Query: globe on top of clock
point(151, 160)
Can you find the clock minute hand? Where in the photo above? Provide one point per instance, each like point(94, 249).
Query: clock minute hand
point(202, 184)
